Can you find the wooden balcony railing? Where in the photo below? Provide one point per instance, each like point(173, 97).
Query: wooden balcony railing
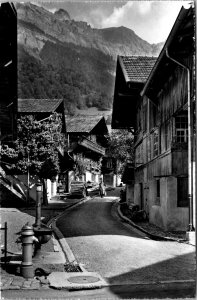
point(92, 146)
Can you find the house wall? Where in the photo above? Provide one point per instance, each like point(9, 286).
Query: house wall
point(109, 179)
point(53, 188)
point(97, 178)
point(129, 193)
point(159, 155)
point(71, 177)
point(137, 194)
point(166, 214)
point(162, 211)
point(118, 180)
point(49, 188)
point(88, 176)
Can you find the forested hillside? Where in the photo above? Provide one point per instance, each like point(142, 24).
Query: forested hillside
point(80, 76)
point(61, 58)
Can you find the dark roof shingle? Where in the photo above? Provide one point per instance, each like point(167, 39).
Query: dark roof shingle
point(38, 105)
point(136, 68)
point(82, 123)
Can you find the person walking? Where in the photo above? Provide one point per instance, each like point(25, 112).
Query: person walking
point(102, 188)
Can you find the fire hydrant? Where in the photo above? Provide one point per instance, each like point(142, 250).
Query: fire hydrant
point(27, 239)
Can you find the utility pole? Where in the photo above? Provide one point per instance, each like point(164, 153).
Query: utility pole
point(195, 95)
point(28, 177)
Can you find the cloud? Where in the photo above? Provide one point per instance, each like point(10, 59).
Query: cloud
point(151, 20)
point(144, 7)
point(118, 15)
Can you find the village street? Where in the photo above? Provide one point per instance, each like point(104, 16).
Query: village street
point(102, 243)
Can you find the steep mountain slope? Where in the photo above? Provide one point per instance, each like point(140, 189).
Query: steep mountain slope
point(62, 15)
point(59, 57)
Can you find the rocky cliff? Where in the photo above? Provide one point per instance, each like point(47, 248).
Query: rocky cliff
point(37, 25)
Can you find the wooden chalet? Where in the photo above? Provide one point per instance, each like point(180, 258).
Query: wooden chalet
point(162, 109)
point(131, 75)
point(41, 108)
point(87, 142)
point(8, 71)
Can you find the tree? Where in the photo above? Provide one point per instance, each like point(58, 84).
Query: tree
point(36, 149)
point(120, 147)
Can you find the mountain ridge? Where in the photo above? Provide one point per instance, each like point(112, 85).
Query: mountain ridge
point(112, 41)
point(60, 57)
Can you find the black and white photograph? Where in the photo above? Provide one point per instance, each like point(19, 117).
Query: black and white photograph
point(98, 149)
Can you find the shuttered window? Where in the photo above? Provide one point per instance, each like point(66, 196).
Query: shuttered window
point(157, 198)
point(182, 192)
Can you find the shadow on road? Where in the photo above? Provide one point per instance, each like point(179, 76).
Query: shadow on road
point(177, 275)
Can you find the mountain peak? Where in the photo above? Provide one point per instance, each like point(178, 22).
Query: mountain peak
point(62, 15)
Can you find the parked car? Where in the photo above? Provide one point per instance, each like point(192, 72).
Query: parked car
point(78, 188)
point(92, 186)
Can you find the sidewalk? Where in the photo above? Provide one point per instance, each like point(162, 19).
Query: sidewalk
point(51, 258)
point(153, 231)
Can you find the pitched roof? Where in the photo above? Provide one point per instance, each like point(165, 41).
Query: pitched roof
point(82, 123)
point(136, 68)
point(38, 105)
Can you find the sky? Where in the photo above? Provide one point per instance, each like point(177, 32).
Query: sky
point(151, 20)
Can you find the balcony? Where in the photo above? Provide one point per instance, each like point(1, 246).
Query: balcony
point(92, 146)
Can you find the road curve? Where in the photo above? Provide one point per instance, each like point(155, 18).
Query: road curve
point(103, 244)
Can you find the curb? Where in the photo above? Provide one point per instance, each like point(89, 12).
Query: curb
point(83, 200)
point(61, 240)
point(64, 245)
point(152, 236)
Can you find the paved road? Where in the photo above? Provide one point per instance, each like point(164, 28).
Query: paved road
point(119, 253)
point(109, 293)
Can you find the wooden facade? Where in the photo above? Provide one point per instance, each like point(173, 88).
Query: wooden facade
point(161, 144)
point(161, 130)
point(87, 143)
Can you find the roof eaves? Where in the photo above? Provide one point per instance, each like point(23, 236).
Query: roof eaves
point(183, 12)
point(59, 101)
point(127, 79)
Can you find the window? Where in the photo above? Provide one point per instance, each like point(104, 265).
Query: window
point(158, 188)
point(144, 117)
point(182, 192)
point(93, 177)
point(139, 119)
point(109, 163)
point(153, 114)
point(181, 129)
point(139, 155)
point(155, 143)
point(149, 148)
point(157, 200)
point(167, 136)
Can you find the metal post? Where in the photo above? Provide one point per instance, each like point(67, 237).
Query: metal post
point(5, 242)
point(27, 237)
point(38, 204)
point(27, 195)
point(195, 95)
